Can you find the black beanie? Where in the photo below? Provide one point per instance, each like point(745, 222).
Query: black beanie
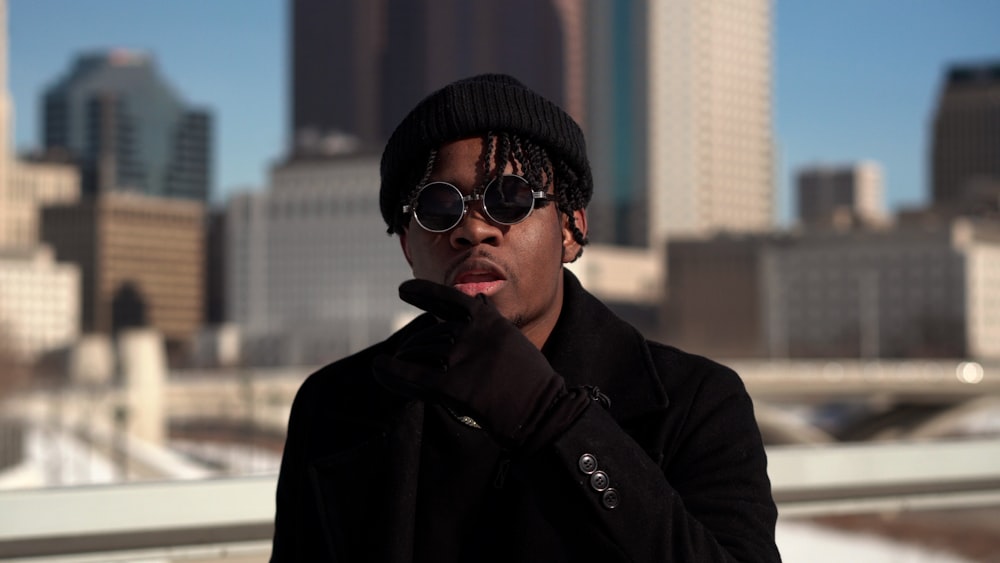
point(467, 108)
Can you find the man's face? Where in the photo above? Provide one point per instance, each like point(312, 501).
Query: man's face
point(518, 267)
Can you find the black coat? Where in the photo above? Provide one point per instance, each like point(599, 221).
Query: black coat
point(679, 444)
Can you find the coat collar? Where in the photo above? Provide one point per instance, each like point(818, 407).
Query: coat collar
point(590, 345)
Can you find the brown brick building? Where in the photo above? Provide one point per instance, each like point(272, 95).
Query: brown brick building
point(141, 261)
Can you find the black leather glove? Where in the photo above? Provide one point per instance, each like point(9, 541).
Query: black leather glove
point(476, 362)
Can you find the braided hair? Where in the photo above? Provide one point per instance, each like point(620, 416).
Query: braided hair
point(534, 163)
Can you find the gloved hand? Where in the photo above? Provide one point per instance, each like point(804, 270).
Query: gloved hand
point(478, 363)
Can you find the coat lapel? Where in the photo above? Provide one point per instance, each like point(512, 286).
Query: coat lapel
point(590, 345)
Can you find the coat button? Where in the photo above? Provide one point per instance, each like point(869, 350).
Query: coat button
point(599, 481)
point(587, 463)
point(610, 499)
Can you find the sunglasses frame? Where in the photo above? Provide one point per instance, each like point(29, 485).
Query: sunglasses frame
point(476, 196)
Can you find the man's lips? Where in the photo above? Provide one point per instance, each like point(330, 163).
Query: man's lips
point(473, 279)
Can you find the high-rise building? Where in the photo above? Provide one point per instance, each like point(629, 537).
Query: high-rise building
point(689, 87)
point(140, 259)
point(617, 122)
point(711, 145)
point(311, 273)
point(840, 195)
point(359, 65)
point(965, 145)
point(128, 129)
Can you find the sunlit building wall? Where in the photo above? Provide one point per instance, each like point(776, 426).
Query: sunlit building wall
point(983, 299)
point(30, 186)
point(710, 148)
point(39, 302)
point(312, 272)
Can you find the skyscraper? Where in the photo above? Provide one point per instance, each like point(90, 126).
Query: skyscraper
point(617, 119)
point(965, 147)
point(688, 85)
point(359, 65)
point(128, 129)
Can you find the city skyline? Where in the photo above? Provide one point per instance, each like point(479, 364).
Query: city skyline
point(853, 80)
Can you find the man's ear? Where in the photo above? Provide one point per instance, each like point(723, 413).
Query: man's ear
point(571, 248)
point(405, 245)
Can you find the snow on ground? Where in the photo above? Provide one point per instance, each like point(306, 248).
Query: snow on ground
point(809, 543)
point(233, 459)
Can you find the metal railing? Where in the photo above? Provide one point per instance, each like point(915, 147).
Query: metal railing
point(231, 519)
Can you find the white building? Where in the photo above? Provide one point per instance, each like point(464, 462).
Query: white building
point(312, 272)
point(711, 147)
point(39, 301)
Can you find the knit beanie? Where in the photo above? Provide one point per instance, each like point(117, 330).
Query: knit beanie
point(468, 108)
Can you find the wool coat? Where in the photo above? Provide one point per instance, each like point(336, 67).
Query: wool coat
point(684, 468)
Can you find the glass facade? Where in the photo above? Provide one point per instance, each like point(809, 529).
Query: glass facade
point(128, 129)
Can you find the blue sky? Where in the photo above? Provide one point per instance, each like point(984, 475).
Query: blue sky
point(853, 79)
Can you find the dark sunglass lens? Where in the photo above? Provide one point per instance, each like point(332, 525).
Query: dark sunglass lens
point(439, 207)
point(508, 199)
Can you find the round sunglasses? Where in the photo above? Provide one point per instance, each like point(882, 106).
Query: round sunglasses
point(507, 200)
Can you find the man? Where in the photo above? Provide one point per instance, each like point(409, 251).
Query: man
point(519, 419)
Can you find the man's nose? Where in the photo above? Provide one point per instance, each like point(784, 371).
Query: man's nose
point(475, 228)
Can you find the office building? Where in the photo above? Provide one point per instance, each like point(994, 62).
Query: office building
point(311, 273)
point(965, 142)
point(358, 66)
point(694, 114)
point(711, 147)
point(140, 258)
point(840, 195)
point(128, 129)
point(906, 292)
